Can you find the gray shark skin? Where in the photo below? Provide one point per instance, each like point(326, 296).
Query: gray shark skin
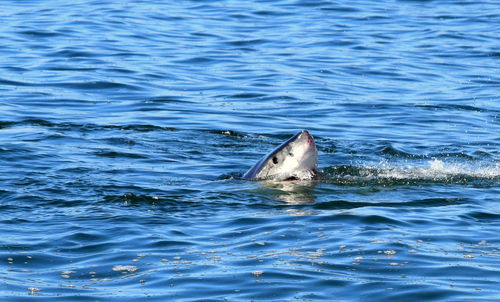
point(296, 158)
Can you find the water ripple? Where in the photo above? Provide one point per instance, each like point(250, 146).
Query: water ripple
point(126, 127)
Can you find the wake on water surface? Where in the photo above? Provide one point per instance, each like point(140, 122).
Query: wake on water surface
point(379, 177)
point(433, 171)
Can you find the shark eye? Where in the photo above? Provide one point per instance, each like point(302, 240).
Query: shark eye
point(275, 160)
point(290, 153)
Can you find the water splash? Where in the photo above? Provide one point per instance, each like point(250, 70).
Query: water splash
point(434, 171)
point(437, 169)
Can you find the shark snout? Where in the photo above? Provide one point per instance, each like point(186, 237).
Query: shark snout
point(308, 137)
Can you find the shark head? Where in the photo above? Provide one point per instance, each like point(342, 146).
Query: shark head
point(296, 158)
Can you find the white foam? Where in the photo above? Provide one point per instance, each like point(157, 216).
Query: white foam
point(438, 169)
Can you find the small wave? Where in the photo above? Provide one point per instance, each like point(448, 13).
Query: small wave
point(247, 95)
point(452, 107)
point(228, 133)
point(247, 42)
point(13, 83)
point(389, 149)
point(40, 33)
point(196, 60)
point(71, 53)
point(86, 127)
point(116, 154)
point(90, 85)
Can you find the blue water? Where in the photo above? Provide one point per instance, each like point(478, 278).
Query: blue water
point(125, 127)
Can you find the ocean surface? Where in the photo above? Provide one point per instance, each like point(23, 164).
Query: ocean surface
point(125, 128)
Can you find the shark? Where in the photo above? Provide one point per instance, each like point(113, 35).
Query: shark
point(294, 159)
